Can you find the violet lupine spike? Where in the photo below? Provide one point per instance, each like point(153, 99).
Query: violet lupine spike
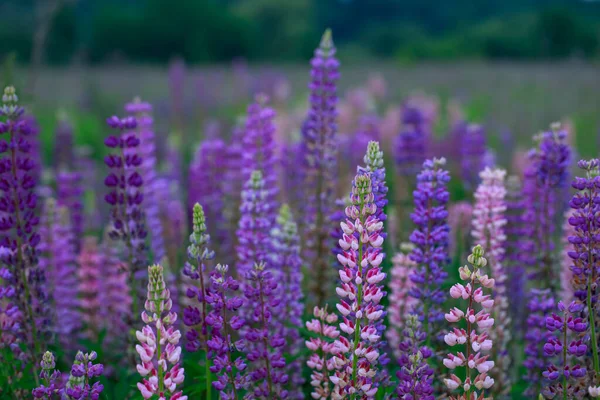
point(536, 335)
point(57, 257)
point(225, 320)
point(472, 154)
point(233, 184)
point(431, 240)
point(475, 337)
point(323, 348)
point(488, 229)
point(585, 247)
point(125, 197)
point(79, 386)
point(254, 229)
point(142, 112)
point(206, 186)
point(50, 388)
point(568, 343)
point(400, 303)
point(318, 146)
point(288, 272)
point(567, 283)
point(69, 193)
point(360, 293)
point(159, 341)
point(11, 338)
point(90, 279)
point(198, 254)
point(545, 178)
point(415, 375)
point(18, 220)
point(263, 341)
point(410, 147)
point(373, 160)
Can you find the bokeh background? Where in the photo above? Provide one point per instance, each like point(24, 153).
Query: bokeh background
point(515, 65)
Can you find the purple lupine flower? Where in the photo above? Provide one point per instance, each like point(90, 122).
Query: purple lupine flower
point(125, 198)
point(90, 275)
point(10, 317)
point(254, 241)
point(87, 167)
point(69, 194)
point(536, 334)
point(83, 371)
point(566, 377)
point(18, 219)
point(224, 321)
point(288, 273)
point(373, 160)
point(567, 283)
point(57, 257)
point(475, 338)
point(291, 179)
point(472, 154)
point(50, 389)
point(415, 375)
point(233, 183)
point(318, 146)
point(360, 292)
point(264, 345)
point(206, 186)
point(195, 268)
point(142, 112)
point(410, 147)
point(545, 178)
point(488, 230)
point(430, 238)
point(321, 361)
point(159, 342)
point(586, 245)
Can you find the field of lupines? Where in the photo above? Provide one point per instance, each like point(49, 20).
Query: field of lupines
point(326, 253)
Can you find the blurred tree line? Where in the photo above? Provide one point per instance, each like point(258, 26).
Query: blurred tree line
point(204, 31)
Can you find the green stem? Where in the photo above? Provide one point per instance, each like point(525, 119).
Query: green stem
point(208, 375)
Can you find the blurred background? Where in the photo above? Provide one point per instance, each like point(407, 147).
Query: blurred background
point(515, 65)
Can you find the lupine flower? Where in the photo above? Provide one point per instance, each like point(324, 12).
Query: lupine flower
point(58, 259)
point(536, 335)
point(233, 183)
point(472, 154)
point(10, 315)
point(488, 229)
point(288, 273)
point(142, 112)
point(430, 238)
point(18, 219)
point(318, 147)
point(585, 245)
point(50, 388)
point(159, 341)
point(254, 241)
point(89, 276)
point(400, 303)
point(323, 348)
point(475, 338)
point(206, 184)
point(410, 148)
point(569, 344)
point(415, 375)
point(125, 198)
point(567, 290)
point(83, 371)
point(545, 177)
point(224, 321)
point(360, 293)
point(264, 344)
point(69, 194)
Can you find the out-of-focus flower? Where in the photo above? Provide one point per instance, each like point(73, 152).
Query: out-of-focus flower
point(322, 349)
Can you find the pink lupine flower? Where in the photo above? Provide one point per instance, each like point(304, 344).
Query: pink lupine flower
point(476, 364)
point(400, 302)
point(322, 347)
point(159, 343)
point(357, 355)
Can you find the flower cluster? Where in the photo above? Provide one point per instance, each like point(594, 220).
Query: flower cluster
point(411, 144)
point(415, 375)
point(360, 293)
point(322, 348)
point(430, 239)
point(50, 387)
point(474, 337)
point(225, 322)
point(472, 154)
point(78, 386)
point(566, 379)
point(69, 194)
point(159, 342)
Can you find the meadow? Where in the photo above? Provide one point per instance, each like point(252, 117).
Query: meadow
point(335, 230)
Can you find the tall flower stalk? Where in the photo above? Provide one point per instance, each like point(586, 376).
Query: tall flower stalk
point(319, 165)
point(159, 343)
point(322, 346)
point(360, 293)
point(474, 337)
